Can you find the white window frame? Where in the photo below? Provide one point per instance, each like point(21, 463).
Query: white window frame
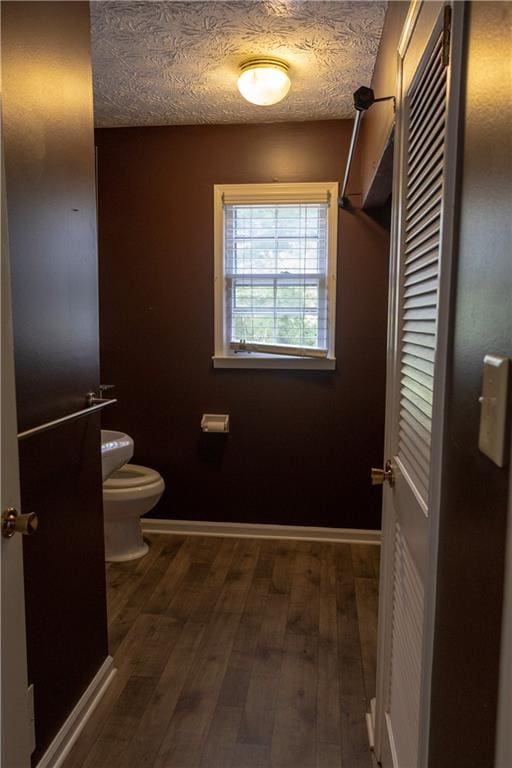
point(307, 192)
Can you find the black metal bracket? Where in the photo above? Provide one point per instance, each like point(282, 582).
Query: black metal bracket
point(364, 98)
point(345, 204)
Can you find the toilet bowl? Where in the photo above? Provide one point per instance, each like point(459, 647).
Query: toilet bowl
point(127, 495)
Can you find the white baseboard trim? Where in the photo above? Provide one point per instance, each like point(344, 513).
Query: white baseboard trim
point(370, 725)
point(369, 731)
point(391, 742)
point(257, 531)
point(68, 734)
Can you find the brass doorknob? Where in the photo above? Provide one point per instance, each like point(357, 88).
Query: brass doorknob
point(381, 476)
point(13, 522)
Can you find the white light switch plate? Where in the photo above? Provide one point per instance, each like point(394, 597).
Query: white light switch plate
point(493, 415)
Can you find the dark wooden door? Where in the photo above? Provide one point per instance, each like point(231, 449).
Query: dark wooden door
point(49, 163)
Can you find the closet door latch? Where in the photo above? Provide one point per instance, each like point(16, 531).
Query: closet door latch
point(381, 476)
point(13, 522)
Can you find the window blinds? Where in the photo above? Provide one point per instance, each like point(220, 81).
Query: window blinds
point(275, 272)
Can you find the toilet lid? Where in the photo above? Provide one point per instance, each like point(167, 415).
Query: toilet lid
point(132, 475)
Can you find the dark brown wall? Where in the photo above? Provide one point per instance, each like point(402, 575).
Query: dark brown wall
point(301, 442)
point(49, 158)
point(474, 503)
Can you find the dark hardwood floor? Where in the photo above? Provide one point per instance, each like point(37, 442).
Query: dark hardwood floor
point(238, 653)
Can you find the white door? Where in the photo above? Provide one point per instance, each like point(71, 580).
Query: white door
point(419, 291)
point(15, 750)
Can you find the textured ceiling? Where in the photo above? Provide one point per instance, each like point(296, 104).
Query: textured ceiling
point(169, 63)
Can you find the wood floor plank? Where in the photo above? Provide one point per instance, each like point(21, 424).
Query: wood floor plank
point(204, 549)
point(375, 555)
point(250, 756)
point(305, 593)
point(117, 732)
point(266, 558)
point(123, 578)
point(195, 708)
point(164, 587)
point(328, 693)
point(188, 590)
point(258, 716)
point(237, 678)
point(295, 721)
point(283, 553)
point(348, 628)
point(205, 602)
point(365, 560)
point(239, 577)
point(154, 723)
point(159, 642)
point(328, 756)
point(220, 743)
point(354, 738)
point(193, 713)
point(367, 601)
point(143, 589)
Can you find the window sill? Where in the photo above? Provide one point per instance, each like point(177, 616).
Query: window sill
point(276, 362)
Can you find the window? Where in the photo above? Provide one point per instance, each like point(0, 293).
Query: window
point(275, 273)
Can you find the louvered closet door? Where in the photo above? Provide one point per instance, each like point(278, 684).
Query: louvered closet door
point(418, 258)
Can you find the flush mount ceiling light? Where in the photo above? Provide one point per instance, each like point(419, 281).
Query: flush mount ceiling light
point(264, 81)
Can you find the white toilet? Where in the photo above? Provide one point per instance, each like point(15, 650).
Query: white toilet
point(127, 495)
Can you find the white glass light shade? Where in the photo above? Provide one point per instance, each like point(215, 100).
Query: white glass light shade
point(264, 81)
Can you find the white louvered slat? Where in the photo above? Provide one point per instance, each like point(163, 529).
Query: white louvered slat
point(422, 239)
point(426, 287)
point(413, 276)
point(425, 327)
point(417, 422)
point(421, 469)
point(420, 313)
point(423, 231)
point(426, 118)
point(406, 651)
point(419, 376)
point(411, 357)
point(422, 300)
point(428, 136)
point(422, 408)
point(417, 258)
point(433, 154)
point(422, 94)
point(424, 205)
point(424, 452)
point(419, 391)
point(427, 223)
point(417, 430)
point(425, 344)
point(431, 86)
point(423, 190)
point(429, 178)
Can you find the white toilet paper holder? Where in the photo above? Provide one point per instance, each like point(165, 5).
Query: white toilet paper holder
point(215, 422)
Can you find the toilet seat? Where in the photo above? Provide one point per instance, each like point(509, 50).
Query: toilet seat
point(131, 476)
